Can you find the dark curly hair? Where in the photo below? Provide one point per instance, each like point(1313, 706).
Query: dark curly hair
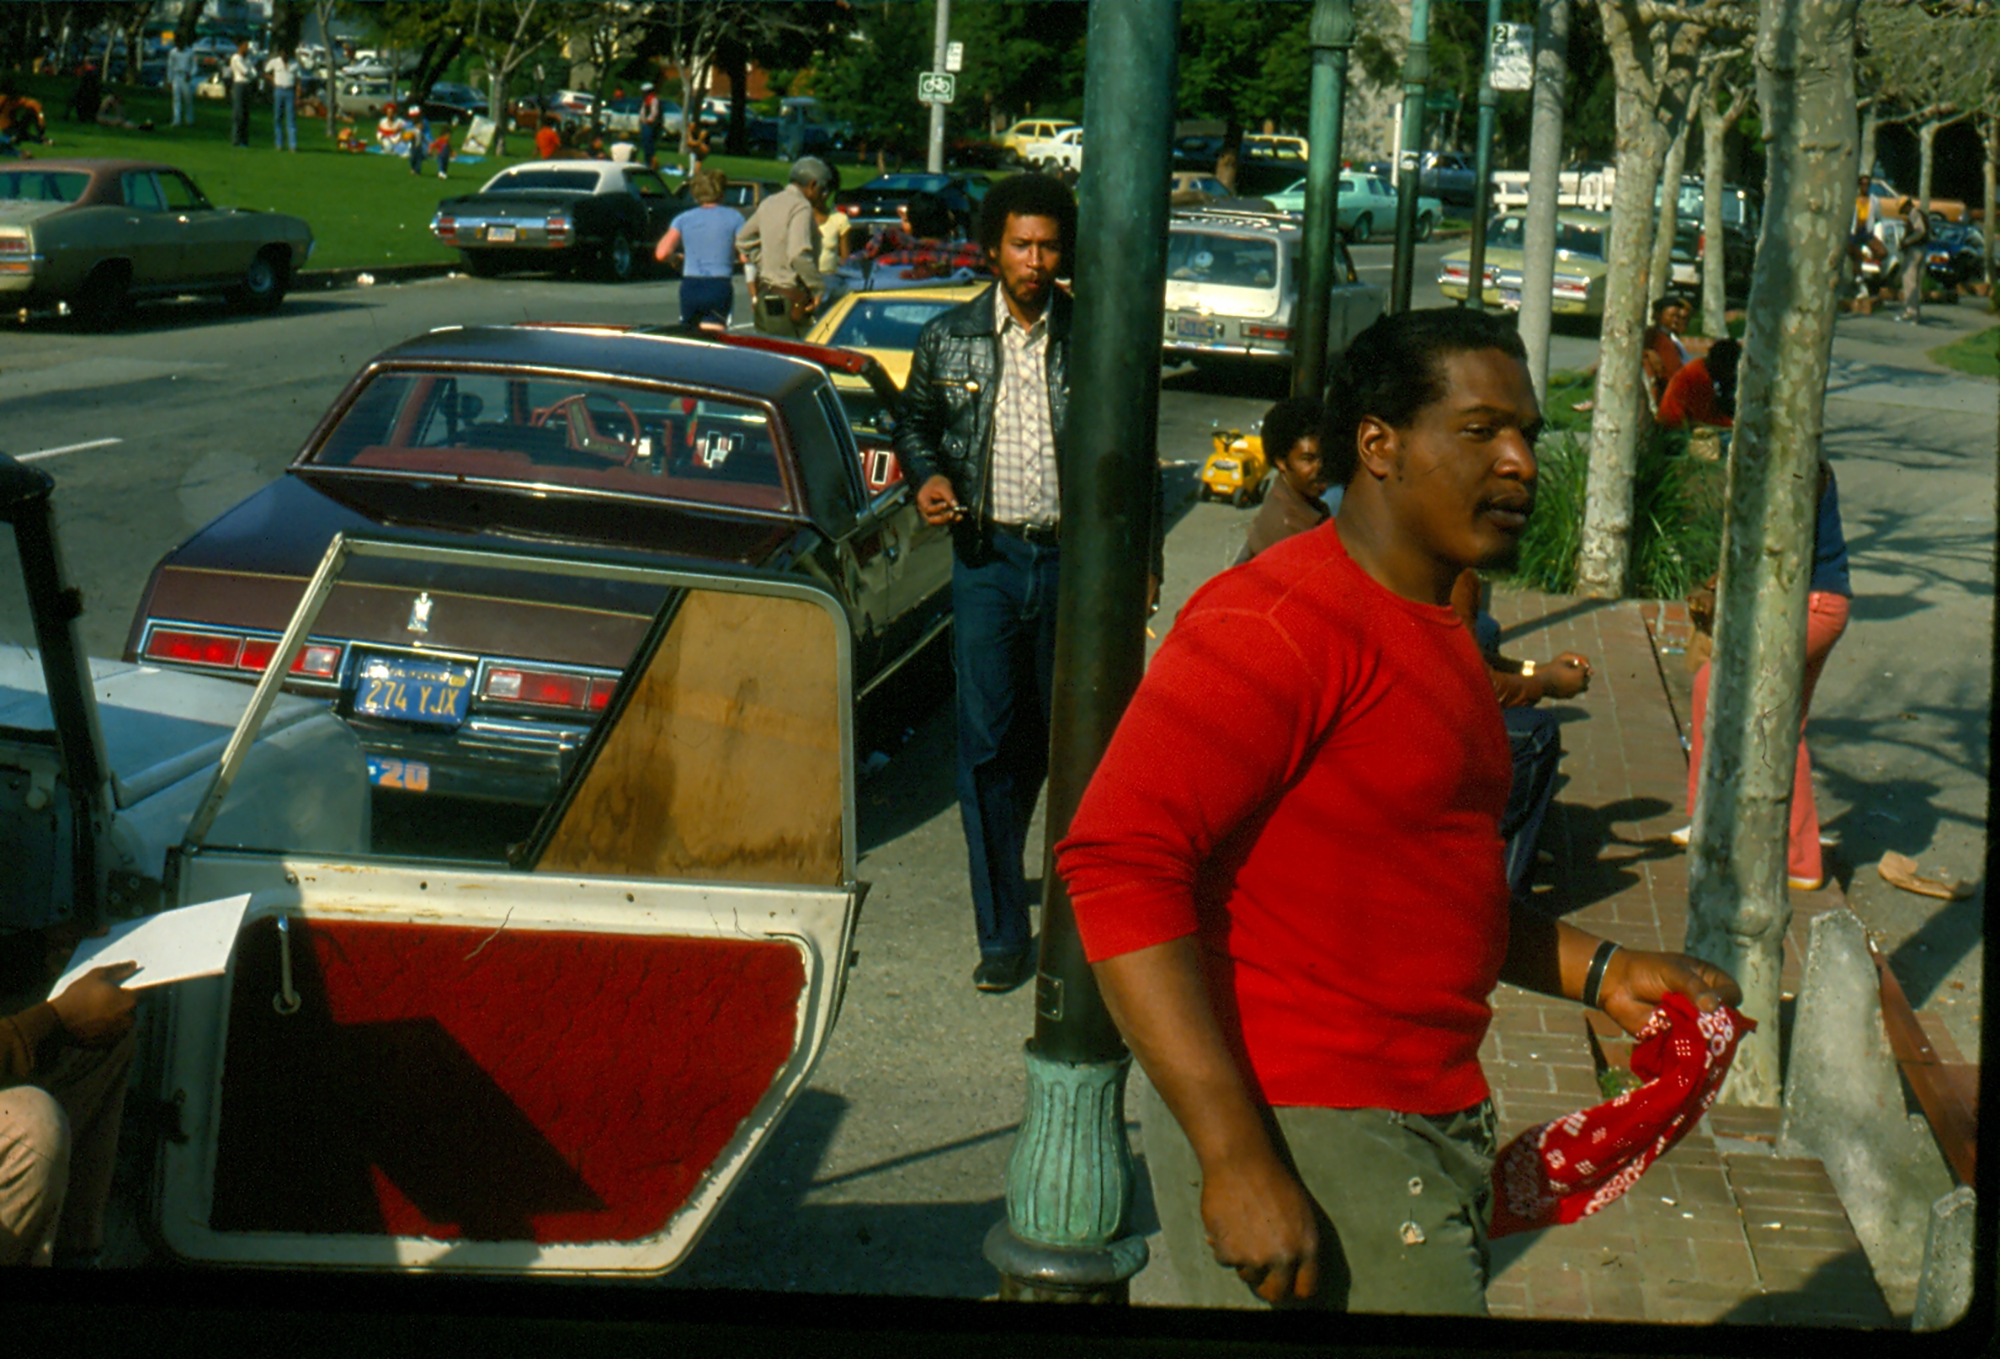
point(1028, 195)
point(1293, 419)
point(1395, 368)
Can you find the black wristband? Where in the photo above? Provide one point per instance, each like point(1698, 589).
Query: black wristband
point(1594, 978)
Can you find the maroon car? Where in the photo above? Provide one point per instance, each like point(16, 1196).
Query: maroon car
point(625, 445)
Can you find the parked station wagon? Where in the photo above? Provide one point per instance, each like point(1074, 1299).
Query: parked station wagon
point(1233, 284)
point(636, 447)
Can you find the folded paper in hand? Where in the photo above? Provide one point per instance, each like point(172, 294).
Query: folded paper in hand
point(194, 941)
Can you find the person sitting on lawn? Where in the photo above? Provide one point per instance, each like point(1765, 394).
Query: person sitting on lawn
point(391, 132)
point(548, 141)
point(1703, 392)
point(1295, 501)
point(111, 113)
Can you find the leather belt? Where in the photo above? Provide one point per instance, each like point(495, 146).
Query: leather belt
point(1039, 534)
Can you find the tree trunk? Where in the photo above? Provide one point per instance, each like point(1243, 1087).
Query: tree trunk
point(329, 64)
point(1538, 239)
point(1871, 122)
point(1715, 125)
point(1926, 158)
point(1604, 558)
point(1737, 903)
point(1660, 276)
point(286, 20)
point(1990, 225)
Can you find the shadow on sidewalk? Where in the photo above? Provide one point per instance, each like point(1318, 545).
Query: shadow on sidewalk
point(1593, 860)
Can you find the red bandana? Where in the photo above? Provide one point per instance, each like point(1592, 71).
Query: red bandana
point(1572, 1166)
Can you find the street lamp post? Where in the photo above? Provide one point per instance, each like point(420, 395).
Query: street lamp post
point(1332, 37)
point(1482, 169)
point(1416, 75)
point(1070, 1178)
point(941, 39)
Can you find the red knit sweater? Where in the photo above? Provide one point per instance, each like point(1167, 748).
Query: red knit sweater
point(1310, 779)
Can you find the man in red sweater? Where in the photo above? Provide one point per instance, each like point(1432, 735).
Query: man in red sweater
point(1297, 917)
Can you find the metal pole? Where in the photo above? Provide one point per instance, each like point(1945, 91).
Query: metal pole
point(1070, 1178)
point(1416, 74)
point(1482, 169)
point(1332, 37)
point(935, 161)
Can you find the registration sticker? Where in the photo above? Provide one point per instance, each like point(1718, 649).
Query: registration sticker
point(410, 776)
point(500, 232)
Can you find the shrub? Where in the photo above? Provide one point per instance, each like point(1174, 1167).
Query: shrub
point(1676, 517)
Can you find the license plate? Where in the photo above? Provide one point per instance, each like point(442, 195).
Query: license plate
point(431, 692)
point(1195, 328)
point(500, 233)
point(1510, 297)
point(411, 776)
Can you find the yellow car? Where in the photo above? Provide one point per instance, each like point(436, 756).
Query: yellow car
point(1583, 254)
point(1236, 470)
point(884, 324)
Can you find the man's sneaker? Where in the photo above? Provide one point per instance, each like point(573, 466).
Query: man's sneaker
point(1805, 884)
point(1683, 836)
point(1003, 971)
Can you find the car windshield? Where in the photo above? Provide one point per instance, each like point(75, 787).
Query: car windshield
point(575, 433)
point(1571, 238)
point(1222, 261)
point(530, 180)
point(42, 186)
point(886, 323)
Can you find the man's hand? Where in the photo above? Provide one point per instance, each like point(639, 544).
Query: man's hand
point(1260, 1222)
point(1636, 981)
point(938, 503)
point(1569, 675)
point(96, 1011)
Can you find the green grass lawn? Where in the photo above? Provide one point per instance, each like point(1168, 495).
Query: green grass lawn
point(366, 210)
point(1977, 354)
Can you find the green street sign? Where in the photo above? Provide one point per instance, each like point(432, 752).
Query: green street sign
point(936, 87)
point(1441, 101)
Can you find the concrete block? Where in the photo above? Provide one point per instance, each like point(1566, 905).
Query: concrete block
point(1844, 1104)
point(1944, 1289)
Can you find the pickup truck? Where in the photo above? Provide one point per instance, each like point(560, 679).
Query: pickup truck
point(561, 214)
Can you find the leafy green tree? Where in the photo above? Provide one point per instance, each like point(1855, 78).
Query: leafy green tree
point(872, 80)
point(1020, 59)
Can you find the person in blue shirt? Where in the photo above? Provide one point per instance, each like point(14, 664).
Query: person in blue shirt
point(706, 233)
point(426, 138)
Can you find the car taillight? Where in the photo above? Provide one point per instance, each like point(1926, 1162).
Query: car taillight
point(194, 648)
point(316, 660)
point(558, 229)
point(446, 228)
point(1454, 271)
point(1268, 332)
point(547, 688)
point(14, 255)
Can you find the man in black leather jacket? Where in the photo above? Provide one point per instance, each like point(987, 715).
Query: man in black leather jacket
point(988, 393)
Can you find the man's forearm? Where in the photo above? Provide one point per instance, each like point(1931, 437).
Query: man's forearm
point(1546, 955)
point(1159, 1000)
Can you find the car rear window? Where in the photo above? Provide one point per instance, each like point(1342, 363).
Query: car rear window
point(1222, 261)
point(564, 433)
point(42, 186)
point(886, 324)
point(515, 181)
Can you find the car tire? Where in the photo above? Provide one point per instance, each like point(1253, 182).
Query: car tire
point(1425, 226)
point(1240, 497)
point(105, 296)
point(616, 263)
point(1363, 228)
point(264, 282)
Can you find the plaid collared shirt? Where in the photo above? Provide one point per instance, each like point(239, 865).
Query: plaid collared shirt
point(1024, 485)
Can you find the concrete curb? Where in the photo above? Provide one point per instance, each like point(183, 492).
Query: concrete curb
point(316, 279)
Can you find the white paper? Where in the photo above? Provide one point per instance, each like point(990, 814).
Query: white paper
point(194, 941)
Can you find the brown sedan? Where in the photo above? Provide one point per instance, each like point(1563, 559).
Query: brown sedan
point(623, 445)
point(98, 233)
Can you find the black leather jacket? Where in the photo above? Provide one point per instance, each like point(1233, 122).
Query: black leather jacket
point(947, 417)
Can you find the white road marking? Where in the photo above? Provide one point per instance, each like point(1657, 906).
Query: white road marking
point(66, 448)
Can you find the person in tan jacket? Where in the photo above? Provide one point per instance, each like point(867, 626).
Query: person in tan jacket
point(782, 239)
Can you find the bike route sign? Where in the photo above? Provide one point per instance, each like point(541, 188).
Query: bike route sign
point(936, 87)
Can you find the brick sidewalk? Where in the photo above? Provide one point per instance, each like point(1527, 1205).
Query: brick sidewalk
point(1720, 1229)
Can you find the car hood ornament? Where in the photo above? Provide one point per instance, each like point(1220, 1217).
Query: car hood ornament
point(420, 614)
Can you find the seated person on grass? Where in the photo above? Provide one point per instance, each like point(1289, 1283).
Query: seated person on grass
point(1703, 392)
point(1296, 501)
point(392, 134)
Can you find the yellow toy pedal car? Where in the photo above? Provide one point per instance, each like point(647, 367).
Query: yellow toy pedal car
point(1236, 471)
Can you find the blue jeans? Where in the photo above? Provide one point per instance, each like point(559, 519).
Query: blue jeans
point(183, 93)
point(1535, 739)
point(1004, 656)
point(284, 119)
point(707, 298)
point(649, 141)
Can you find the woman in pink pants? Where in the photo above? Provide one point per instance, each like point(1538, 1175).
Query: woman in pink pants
point(1827, 606)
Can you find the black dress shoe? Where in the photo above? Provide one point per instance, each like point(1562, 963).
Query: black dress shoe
point(1003, 971)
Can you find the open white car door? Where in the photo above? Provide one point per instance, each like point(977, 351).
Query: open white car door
point(558, 1065)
